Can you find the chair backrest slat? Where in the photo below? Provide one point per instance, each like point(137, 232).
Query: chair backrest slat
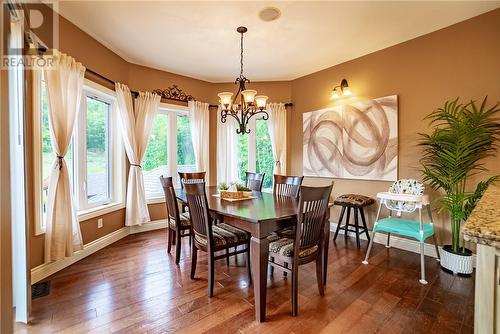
point(287, 185)
point(191, 177)
point(313, 203)
point(198, 209)
point(254, 181)
point(170, 198)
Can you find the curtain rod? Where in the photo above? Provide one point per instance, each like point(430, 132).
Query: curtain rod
point(289, 104)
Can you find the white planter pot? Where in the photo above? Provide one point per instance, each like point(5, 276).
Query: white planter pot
point(456, 263)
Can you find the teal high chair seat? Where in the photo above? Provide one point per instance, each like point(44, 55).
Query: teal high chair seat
point(405, 196)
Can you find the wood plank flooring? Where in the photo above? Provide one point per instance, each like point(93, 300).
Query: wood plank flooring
point(133, 286)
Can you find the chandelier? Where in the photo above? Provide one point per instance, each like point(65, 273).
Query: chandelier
point(246, 102)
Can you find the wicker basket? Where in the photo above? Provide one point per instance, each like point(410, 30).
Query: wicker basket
point(231, 194)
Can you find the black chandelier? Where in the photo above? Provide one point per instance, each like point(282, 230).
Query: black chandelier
point(249, 104)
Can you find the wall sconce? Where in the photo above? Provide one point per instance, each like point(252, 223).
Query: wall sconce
point(341, 90)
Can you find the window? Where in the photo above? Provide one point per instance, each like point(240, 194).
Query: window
point(255, 152)
point(94, 158)
point(155, 162)
point(169, 149)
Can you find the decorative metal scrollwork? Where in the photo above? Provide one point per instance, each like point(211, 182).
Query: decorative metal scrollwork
point(174, 93)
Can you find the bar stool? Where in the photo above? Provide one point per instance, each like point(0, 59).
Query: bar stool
point(357, 203)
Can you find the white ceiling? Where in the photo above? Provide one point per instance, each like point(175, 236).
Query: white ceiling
point(199, 39)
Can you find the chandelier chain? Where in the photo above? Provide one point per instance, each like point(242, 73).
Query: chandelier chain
point(241, 57)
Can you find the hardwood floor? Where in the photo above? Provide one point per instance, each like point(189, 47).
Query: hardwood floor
point(133, 286)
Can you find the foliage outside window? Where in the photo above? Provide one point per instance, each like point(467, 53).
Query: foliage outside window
point(155, 162)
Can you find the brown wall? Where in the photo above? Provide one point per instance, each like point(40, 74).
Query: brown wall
point(459, 61)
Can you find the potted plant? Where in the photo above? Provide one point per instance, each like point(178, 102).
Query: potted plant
point(463, 136)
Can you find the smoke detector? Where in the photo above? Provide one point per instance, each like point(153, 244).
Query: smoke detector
point(269, 14)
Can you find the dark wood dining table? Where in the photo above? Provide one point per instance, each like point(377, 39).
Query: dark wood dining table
point(260, 216)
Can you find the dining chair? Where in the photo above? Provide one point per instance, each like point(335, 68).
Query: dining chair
point(288, 186)
point(254, 181)
point(307, 243)
point(190, 177)
point(285, 185)
point(212, 238)
point(405, 196)
point(179, 225)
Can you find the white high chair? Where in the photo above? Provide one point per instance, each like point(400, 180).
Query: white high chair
point(405, 196)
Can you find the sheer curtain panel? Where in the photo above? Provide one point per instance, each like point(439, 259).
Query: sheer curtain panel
point(277, 132)
point(136, 121)
point(198, 120)
point(227, 151)
point(64, 89)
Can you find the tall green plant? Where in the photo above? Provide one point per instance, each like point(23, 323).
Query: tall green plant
point(463, 136)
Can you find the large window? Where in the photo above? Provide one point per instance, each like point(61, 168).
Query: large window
point(94, 157)
point(169, 149)
point(255, 152)
point(155, 162)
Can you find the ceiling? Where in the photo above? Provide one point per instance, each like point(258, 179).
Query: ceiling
point(199, 39)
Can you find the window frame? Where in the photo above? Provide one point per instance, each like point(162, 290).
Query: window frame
point(116, 152)
point(172, 111)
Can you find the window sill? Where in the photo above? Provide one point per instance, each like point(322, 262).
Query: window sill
point(99, 211)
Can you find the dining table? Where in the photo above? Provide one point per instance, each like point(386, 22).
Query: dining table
point(260, 215)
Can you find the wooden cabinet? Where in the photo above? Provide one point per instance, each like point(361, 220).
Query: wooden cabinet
point(487, 296)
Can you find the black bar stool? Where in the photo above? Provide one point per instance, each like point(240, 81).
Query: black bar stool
point(356, 202)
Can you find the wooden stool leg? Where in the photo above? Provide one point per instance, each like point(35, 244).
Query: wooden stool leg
point(362, 212)
point(356, 226)
point(348, 219)
point(339, 223)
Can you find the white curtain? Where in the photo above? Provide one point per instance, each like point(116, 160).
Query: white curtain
point(198, 120)
point(227, 151)
point(277, 132)
point(64, 89)
point(136, 122)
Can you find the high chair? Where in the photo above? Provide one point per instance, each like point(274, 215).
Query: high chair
point(405, 196)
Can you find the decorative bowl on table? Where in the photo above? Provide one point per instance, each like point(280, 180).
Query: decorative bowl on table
point(235, 191)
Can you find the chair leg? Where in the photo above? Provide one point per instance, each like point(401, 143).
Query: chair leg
point(369, 248)
point(194, 258)
point(388, 243)
point(437, 248)
point(271, 268)
point(346, 226)
point(295, 290)
point(211, 275)
point(178, 246)
point(339, 223)
point(174, 232)
point(169, 239)
point(362, 212)
point(227, 257)
point(422, 264)
point(319, 275)
point(284, 272)
point(356, 226)
point(248, 264)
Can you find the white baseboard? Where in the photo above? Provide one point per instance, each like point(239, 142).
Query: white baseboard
point(45, 270)
point(151, 226)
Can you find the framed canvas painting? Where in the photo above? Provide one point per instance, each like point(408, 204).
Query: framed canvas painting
point(357, 140)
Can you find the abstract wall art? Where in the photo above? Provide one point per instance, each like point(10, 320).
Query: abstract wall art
point(357, 140)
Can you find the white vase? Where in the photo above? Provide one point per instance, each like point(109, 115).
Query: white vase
point(457, 263)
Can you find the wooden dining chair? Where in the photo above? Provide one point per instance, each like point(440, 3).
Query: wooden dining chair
point(285, 185)
point(212, 238)
point(289, 186)
point(179, 225)
point(307, 244)
point(254, 181)
point(190, 177)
